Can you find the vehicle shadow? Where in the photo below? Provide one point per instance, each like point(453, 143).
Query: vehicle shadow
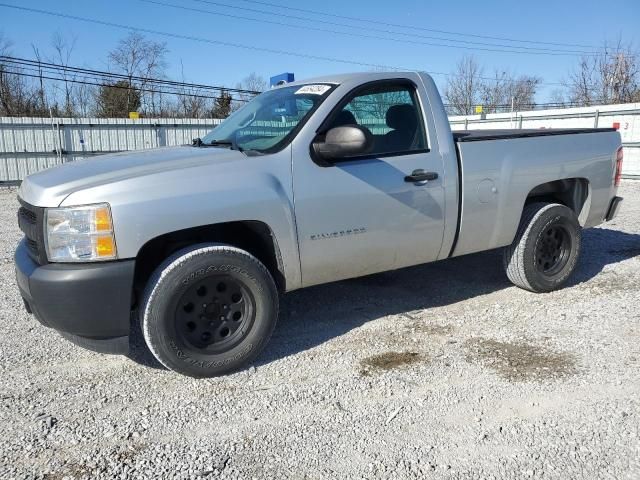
point(315, 315)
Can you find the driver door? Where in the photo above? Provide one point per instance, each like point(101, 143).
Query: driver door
point(361, 215)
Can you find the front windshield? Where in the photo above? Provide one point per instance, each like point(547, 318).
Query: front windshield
point(266, 123)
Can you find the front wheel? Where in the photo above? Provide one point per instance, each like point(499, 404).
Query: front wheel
point(209, 310)
point(546, 248)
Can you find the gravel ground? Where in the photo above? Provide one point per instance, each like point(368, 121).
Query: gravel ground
point(438, 371)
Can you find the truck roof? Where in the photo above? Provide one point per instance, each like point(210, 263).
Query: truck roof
point(359, 77)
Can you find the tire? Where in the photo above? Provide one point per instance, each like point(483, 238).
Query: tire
point(545, 251)
point(208, 310)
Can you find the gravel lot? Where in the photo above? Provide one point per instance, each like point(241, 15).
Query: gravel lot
point(438, 371)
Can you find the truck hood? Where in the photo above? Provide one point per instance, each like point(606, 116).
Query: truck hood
point(50, 187)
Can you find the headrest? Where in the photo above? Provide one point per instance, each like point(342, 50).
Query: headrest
point(401, 116)
point(345, 117)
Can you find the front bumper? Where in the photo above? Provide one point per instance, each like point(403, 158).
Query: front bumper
point(89, 304)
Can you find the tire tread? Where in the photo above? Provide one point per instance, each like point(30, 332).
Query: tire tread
point(513, 256)
point(176, 260)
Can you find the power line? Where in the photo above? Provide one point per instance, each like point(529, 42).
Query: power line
point(121, 76)
point(413, 27)
point(483, 46)
point(43, 73)
point(39, 69)
point(113, 85)
point(230, 44)
point(197, 39)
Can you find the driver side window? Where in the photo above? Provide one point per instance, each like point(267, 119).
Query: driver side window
point(391, 113)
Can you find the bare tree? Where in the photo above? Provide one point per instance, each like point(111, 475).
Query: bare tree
point(581, 83)
point(5, 88)
point(464, 86)
point(42, 96)
point(192, 103)
point(505, 92)
point(522, 91)
point(620, 74)
point(467, 87)
point(611, 77)
point(136, 56)
point(84, 100)
point(17, 94)
point(558, 98)
point(25, 91)
point(63, 49)
point(253, 82)
point(492, 93)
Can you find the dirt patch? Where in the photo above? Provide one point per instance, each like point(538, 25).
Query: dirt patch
point(123, 454)
point(388, 361)
point(72, 470)
point(432, 328)
point(520, 362)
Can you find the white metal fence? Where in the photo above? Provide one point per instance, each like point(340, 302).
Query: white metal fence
point(624, 117)
point(28, 145)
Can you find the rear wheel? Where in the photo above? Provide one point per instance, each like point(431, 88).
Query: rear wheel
point(546, 248)
point(209, 310)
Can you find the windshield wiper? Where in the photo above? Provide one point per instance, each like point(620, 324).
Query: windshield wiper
point(221, 143)
point(197, 142)
point(227, 142)
point(232, 144)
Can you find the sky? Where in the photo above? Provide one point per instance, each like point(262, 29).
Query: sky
point(224, 60)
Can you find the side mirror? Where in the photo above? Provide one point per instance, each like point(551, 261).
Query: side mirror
point(343, 142)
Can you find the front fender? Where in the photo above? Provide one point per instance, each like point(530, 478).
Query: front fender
point(154, 205)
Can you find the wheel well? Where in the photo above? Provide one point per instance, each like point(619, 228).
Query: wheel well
point(253, 236)
point(571, 192)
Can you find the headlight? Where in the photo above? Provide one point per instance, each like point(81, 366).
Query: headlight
point(79, 234)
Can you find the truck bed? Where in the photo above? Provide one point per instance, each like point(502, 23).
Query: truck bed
point(502, 134)
point(497, 176)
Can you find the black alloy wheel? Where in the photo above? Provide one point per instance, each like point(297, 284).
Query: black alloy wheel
point(213, 314)
point(552, 252)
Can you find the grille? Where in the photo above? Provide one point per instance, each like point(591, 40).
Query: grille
point(28, 215)
point(31, 222)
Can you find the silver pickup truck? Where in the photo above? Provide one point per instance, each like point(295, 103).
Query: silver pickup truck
point(310, 182)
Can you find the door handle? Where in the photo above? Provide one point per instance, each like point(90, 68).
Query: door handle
point(420, 176)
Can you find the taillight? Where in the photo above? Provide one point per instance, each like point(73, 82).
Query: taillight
point(619, 158)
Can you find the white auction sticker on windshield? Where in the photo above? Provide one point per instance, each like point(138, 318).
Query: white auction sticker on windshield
point(313, 89)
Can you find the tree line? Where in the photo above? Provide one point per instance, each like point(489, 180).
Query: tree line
point(37, 89)
point(611, 77)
